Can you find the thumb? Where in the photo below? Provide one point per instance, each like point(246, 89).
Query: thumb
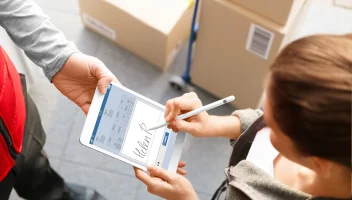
point(185, 126)
point(103, 84)
point(102, 73)
point(160, 173)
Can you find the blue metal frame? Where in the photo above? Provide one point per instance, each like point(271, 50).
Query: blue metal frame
point(194, 29)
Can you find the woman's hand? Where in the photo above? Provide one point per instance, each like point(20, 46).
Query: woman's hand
point(195, 125)
point(180, 169)
point(165, 184)
point(201, 125)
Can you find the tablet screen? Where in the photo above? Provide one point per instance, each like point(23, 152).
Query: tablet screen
point(122, 128)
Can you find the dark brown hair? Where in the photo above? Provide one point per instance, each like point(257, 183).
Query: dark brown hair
point(310, 89)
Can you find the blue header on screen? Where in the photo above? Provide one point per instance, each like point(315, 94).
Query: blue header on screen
point(100, 114)
point(166, 137)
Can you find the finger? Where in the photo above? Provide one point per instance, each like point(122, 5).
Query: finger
point(174, 110)
point(154, 185)
point(181, 164)
point(85, 108)
point(170, 103)
point(182, 125)
point(173, 127)
point(142, 176)
point(160, 172)
point(114, 79)
point(191, 95)
point(168, 108)
point(103, 84)
point(181, 171)
point(182, 104)
point(172, 124)
point(102, 73)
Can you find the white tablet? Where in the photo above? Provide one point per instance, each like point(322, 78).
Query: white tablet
point(117, 125)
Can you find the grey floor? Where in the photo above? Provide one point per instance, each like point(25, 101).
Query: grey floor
point(63, 121)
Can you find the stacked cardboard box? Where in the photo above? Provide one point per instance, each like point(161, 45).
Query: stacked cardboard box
point(279, 11)
point(235, 47)
point(152, 29)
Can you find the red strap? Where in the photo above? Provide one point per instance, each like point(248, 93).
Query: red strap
point(12, 105)
point(12, 111)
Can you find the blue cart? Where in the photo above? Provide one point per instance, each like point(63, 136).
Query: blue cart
point(181, 82)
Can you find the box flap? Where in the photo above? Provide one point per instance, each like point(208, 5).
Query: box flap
point(160, 14)
point(254, 16)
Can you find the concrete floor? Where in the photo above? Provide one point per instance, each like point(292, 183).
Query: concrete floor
point(63, 121)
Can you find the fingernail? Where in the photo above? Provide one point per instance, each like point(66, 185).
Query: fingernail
point(103, 90)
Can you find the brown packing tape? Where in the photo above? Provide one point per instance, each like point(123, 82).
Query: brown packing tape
point(191, 3)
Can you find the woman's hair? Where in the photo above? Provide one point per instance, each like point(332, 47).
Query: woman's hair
point(310, 91)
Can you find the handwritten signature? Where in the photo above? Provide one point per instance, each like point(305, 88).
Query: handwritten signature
point(142, 150)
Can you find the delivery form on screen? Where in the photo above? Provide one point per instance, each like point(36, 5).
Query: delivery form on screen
point(121, 128)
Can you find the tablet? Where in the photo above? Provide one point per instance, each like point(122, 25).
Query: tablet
point(117, 125)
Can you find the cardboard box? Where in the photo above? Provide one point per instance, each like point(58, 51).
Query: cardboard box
point(152, 29)
point(234, 49)
point(344, 3)
point(276, 10)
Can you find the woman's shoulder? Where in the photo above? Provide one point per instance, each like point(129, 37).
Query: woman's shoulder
point(247, 181)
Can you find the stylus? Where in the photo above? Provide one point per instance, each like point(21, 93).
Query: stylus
point(197, 111)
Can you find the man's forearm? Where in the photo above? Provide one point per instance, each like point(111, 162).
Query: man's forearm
point(31, 30)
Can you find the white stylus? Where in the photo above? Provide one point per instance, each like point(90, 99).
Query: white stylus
point(197, 111)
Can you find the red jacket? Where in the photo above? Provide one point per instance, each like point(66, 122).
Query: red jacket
point(12, 114)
